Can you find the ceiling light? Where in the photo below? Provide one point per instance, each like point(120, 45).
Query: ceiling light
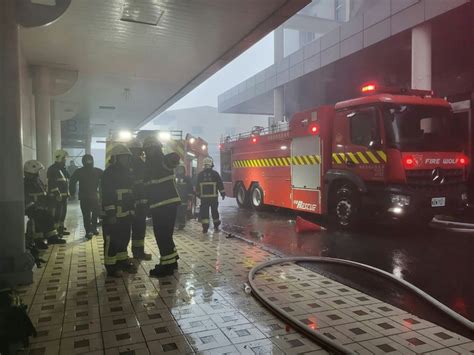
point(107, 107)
point(145, 13)
point(164, 136)
point(125, 135)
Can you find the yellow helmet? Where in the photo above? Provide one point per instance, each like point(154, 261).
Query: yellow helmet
point(60, 155)
point(208, 162)
point(33, 167)
point(120, 149)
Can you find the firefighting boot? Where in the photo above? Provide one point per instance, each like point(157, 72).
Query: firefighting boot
point(63, 231)
point(128, 267)
point(163, 270)
point(89, 236)
point(216, 225)
point(40, 244)
point(56, 240)
point(205, 228)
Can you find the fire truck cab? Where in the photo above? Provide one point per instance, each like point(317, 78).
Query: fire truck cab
point(390, 153)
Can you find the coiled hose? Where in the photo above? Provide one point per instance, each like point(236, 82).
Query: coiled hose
point(321, 339)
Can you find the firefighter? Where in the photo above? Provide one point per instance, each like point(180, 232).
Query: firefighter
point(118, 210)
point(139, 220)
point(163, 200)
point(186, 193)
point(209, 185)
point(58, 190)
point(36, 206)
point(89, 179)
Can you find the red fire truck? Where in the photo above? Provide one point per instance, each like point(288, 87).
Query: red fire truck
point(390, 152)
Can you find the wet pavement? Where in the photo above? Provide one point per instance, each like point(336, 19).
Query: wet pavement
point(439, 262)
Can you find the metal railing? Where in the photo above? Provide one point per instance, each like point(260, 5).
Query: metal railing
point(257, 131)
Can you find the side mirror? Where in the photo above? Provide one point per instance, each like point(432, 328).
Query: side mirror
point(375, 144)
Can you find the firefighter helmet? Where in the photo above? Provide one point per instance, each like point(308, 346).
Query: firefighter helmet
point(33, 167)
point(60, 155)
point(151, 141)
point(134, 144)
point(120, 149)
point(208, 162)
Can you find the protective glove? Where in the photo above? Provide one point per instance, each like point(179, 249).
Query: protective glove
point(59, 198)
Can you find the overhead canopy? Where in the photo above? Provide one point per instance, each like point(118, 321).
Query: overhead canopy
point(135, 58)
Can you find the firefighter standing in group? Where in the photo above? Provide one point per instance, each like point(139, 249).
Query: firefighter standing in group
point(58, 189)
point(209, 185)
point(163, 200)
point(141, 208)
point(36, 206)
point(118, 210)
point(89, 179)
point(186, 193)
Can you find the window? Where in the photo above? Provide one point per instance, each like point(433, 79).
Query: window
point(363, 126)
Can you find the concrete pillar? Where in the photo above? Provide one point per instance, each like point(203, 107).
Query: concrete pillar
point(278, 93)
point(15, 263)
point(421, 57)
point(55, 130)
point(88, 147)
point(41, 84)
point(55, 135)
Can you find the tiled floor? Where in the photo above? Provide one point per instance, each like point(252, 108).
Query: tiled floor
point(203, 308)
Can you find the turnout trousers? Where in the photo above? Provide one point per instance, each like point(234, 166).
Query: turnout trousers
point(213, 204)
point(43, 224)
point(116, 239)
point(138, 233)
point(163, 227)
point(182, 215)
point(90, 213)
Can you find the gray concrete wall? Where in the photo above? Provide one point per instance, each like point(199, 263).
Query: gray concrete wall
point(387, 18)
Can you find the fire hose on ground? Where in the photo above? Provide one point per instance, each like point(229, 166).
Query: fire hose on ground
point(321, 339)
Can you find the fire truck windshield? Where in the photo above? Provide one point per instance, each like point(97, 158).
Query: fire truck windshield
point(417, 128)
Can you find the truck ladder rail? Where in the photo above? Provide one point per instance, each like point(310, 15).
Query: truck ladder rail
point(257, 131)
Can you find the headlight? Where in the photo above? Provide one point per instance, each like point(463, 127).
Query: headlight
point(400, 200)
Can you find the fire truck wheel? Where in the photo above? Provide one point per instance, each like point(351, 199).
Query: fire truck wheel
point(346, 206)
point(241, 196)
point(256, 197)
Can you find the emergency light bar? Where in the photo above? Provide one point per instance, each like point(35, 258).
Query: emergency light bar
point(374, 88)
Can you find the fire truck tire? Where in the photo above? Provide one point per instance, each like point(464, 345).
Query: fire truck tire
point(256, 197)
point(241, 195)
point(345, 206)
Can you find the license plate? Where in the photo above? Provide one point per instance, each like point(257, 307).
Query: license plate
point(438, 202)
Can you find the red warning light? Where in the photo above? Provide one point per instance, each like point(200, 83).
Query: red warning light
point(254, 140)
point(463, 161)
point(314, 129)
point(221, 146)
point(408, 161)
point(368, 88)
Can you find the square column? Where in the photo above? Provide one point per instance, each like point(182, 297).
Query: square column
point(15, 263)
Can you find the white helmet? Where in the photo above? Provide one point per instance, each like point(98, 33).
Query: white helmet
point(120, 149)
point(208, 162)
point(60, 155)
point(134, 143)
point(33, 167)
